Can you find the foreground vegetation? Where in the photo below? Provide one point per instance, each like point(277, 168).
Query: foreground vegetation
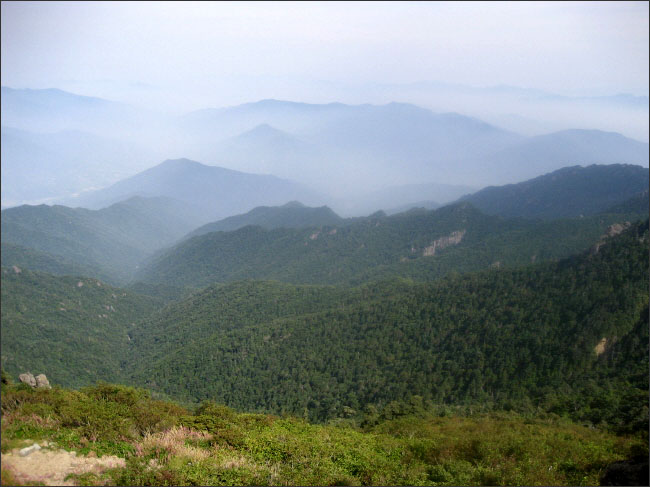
point(165, 444)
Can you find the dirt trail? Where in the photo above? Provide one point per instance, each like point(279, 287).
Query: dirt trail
point(52, 466)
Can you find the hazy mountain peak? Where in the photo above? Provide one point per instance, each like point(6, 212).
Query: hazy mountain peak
point(181, 162)
point(264, 130)
point(293, 204)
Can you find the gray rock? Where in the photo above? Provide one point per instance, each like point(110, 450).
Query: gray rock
point(26, 451)
point(27, 379)
point(41, 381)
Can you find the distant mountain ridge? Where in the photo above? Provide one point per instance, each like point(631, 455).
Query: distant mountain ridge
point(567, 192)
point(444, 147)
point(51, 110)
point(545, 153)
point(340, 146)
point(215, 192)
point(291, 215)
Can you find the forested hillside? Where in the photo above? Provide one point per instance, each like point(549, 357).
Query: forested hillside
point(418, 244)
point(23, 257)
point(73, 329)
point(567, 192)
point(549, 336)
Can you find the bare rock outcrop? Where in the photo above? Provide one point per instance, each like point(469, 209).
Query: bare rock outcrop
point(42, 382)
point(612, 231)
point(454, 238)
point(28, 379)
point(38, 382)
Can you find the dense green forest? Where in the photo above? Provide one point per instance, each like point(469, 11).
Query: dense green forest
point(25, 257)
point(505, 338)
point(520, 338)
point(75, 330)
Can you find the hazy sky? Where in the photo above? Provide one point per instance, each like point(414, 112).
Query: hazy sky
point(588, 48)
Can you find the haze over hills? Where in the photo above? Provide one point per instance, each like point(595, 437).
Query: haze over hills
point(344, 151)
point(352, 146)
point(214, 191)
point(111, 241)
point(54, 110)
point(544, 153)
point(46, 166)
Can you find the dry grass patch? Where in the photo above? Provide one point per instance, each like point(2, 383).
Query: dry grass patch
point(175, 442)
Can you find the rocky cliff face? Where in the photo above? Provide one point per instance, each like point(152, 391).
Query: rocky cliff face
point(454, 238)
point(612, 231)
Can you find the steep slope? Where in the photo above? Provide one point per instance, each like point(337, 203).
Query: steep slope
point(419, 244)
point(74, 329)
point(112, 240)
point(519, 337)
point(290, 215)
point(215, 191)
point(568, 192)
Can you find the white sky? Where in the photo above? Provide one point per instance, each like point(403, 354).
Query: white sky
point(589, 48)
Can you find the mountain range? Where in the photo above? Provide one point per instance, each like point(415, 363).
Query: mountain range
point(170, 238)
point(342, 151)
point(483, 337)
